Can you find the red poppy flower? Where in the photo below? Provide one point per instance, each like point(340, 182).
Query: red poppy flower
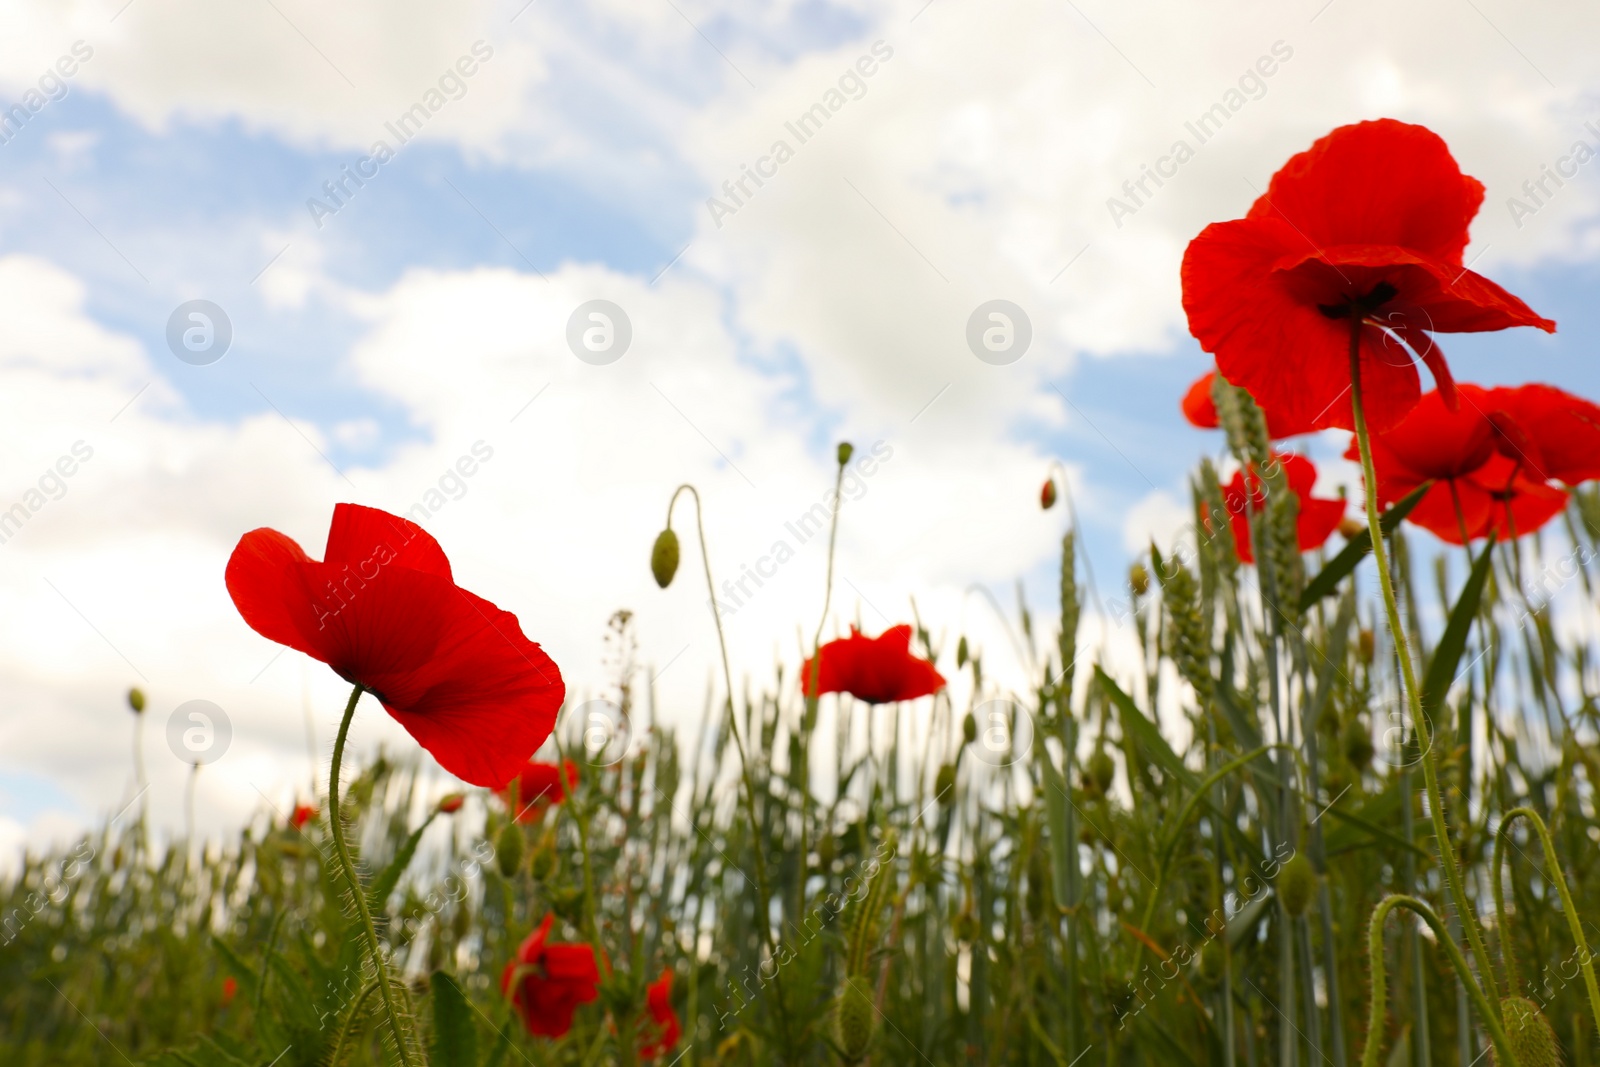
point(1314, 523)
point(1495, 499)
point(1433, 443)
point(382, 610)
point(535, 786)
point(1368, 226)
point(1553, 434)
point(303, 813)
point(875, 669)
point(663, 1021)
point(1200, 408)
point(546, 982)
point(230, 989)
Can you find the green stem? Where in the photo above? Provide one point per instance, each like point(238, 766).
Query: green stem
point(1430, 774)
point(812, 698)
point(1553, 874)
point(348, 867)
point(1491, 1019)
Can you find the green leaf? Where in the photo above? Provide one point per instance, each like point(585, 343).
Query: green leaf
point(1144, 732)
point(383, 885)
point(1328, 579)
point(455, 1038)
point(1442, 668)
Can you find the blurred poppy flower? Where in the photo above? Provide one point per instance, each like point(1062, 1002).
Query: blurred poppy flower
point(1554, 435)
point(536, 785)
point(230, 989)
point(303, 813)
point(1366, 227)
point(1433, 443)
point(1494, 499)
point(663, 1022)
point(875, 669)
point(1314, 523)
point(382, 610)
point(1200, 408)
point(546, 982)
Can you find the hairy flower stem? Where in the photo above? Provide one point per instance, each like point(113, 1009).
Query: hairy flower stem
point(758, 846)
point(1491, 1019)
point(1430, 773)
point(348, 867)
point(812, 699)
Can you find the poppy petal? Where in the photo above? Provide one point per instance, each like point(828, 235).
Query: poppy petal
point(358, 533)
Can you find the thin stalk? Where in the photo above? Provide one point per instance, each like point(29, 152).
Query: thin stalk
point(1430, 774)
point(812, 698)
point(348, 867)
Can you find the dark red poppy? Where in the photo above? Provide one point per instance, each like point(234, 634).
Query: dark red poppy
point(303, 813)
point(1315, 521)
point(1553, 434)
point(546, 982)
point(1494, 499)
point(662, 1028)
point(1200, 408)
point(1433, 443)
point(382, 610)
point(1366, 227)
point(875, 669)
point(537, 785)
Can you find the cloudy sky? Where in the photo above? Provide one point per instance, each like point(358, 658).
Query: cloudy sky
point(399, 209)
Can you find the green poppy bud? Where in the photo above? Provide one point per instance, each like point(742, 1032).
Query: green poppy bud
point(969, 729)
point(1297, 885)
point(136, 699)
point(1532, 1040)
point(961, 652)
point(846, 450)
point(664, 557)
point(856, 1020)
point(944, 785)
point(1139, 579)
point(1358, 747)
point(1102, 771)
point(508, 849)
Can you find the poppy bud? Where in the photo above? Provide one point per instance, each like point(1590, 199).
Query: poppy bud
point(961, 652)
point(451, 803)
point(969, 729)
point(1211, 961)
point(1366, 644)
point(856, 1019)
point(508, 849)
point(1350, 527)
point(846, 450)
point(1297, 884)
point(944, 785)
point(136, 699)
point(1102, 771)
point(1358, 747)
point(1047, 495)
point(1139, 579)
point(1529, 1034)
point(664, 557)
point(966, 926)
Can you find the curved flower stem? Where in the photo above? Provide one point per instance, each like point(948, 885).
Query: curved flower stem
point(1430, 774)
point(348, 867)
point(1491, 1019)
point(1554, 874)
point(813, 698)
point(764, 893)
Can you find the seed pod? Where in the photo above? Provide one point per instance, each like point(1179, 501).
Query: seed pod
point(664, 557)
point(1366, 644)
point(945, 784)
point(1350, 527)
point(1532, 1040)
point(961, 652)
point(846, 450)
point(855, 1020)
point(136, 699)
point(508, 849)
point(1139, 579)
point(969, 729)
point(1297, 885)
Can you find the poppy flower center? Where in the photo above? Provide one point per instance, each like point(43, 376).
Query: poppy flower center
point(1361, 306)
